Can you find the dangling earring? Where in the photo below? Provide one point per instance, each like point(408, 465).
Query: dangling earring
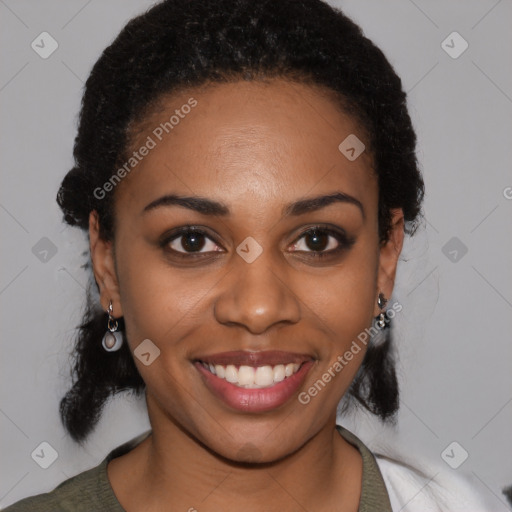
point(381, 319)
point(113, 339)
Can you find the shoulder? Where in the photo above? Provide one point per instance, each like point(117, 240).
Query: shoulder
point(82, 493)
point(431, 489)
point(86, 492)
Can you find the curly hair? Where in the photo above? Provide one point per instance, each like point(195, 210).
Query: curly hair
point(180, 44)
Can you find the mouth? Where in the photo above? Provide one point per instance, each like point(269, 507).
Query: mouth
point(254, 381)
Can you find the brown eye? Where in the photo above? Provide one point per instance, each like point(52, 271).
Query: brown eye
point(191, 241)
point(320, 241)
point(317, 240)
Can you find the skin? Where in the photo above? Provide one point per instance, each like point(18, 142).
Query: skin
point(255, 147)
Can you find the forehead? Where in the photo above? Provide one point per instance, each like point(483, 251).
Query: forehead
point(241, 140)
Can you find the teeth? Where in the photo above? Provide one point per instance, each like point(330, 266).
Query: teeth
point(253, 377)
point(264, 376)
point(220, 371)
point(289, 369)
point(246, 376)
point(231, 374)
point(279, 374)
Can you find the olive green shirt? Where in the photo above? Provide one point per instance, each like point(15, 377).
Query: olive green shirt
point(91, 491)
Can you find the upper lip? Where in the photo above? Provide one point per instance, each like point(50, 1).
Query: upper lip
point(261, 358)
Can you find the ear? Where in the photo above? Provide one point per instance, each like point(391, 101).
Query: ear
point(102, 256)
point(389, 254)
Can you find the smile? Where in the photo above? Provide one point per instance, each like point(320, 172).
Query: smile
point(254, 381)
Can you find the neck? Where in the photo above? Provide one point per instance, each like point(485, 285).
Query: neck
point(173, 467)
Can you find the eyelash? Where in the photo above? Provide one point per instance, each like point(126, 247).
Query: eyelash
point(345, 242)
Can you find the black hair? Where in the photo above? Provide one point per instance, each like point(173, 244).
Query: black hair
point(180, 44)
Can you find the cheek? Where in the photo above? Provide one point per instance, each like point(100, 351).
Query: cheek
point(345, 298)
point(157, 299)
point(163, 305)
point(343, 305)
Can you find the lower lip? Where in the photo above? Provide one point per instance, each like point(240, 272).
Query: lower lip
point(254, 400)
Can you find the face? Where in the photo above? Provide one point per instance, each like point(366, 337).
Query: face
point(246, 249)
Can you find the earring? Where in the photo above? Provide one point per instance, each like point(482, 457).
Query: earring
point(113, 339)
point(382, 320)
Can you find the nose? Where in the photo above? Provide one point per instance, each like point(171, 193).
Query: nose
point(256, 297)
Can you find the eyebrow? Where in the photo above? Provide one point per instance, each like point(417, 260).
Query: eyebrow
point(316, 203)
point(196, 203)
point(214, 208)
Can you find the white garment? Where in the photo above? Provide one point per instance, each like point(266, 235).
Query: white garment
point(434, 489)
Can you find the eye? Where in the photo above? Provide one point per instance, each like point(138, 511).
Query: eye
point(190, 240)
point(321, 241)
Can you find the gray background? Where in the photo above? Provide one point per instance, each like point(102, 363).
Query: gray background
point(454, 332)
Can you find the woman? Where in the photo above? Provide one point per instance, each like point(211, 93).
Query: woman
point(246, 172)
